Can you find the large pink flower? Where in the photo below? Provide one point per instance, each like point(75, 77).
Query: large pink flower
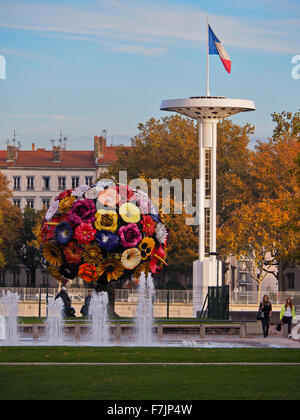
point(130, 235)
point(82, 211)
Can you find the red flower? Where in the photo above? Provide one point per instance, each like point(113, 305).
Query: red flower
point(157, 260)
point(73, 253)
point(148, 225)
point(88, 273)
point(64, 194)
point(85, 233)
point(126, 194)
point(48, 229)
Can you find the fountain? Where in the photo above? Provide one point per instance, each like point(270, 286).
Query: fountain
point(9, 311)
point(144, 311)
point(99, 316)
point(55, 322)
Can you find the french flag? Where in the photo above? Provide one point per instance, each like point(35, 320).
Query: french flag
point(216, 47)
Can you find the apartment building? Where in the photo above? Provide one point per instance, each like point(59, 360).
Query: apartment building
point(37, 176)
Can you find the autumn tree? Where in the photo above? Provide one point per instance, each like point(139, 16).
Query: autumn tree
point(264, 222)
point(261, 235)
point(11, 227)
point(30, 250)
point(169, 149)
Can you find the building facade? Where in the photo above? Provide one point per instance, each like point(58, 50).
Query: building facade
point(37, 176)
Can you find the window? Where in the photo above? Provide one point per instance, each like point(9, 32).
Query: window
point(61, 182)
point(17, 183)
point(46, 203)
point(207, 174)
point(207, 233)
point(75, 182)
point(30, 183)
point(291, 280)
point(30, 203)
point(46, 186)
point(89, 180)
point(17, 202)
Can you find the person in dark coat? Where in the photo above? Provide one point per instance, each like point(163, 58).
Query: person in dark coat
point(68, 309)
point(85, 308)
point(266, 310)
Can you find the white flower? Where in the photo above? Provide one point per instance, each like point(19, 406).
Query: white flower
point(161, 233)
point(102, 185)
point(131, 258)
point(52, 210)
point(79, 191)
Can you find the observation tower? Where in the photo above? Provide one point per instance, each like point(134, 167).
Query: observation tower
point(208, 111)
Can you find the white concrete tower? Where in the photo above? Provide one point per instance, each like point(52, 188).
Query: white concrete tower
point(207, 110)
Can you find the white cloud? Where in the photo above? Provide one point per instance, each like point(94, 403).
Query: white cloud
point(140, 27)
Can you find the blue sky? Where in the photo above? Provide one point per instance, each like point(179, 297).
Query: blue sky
point(84, 66)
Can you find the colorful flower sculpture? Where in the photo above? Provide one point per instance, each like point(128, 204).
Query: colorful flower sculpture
point(103, 233)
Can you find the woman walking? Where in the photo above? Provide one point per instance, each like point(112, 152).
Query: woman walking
point(287, 314)
point(266, 311)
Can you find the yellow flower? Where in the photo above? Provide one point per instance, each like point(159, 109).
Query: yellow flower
point(106, 220)
point(66, 204)
point(52, 254)
point(112, 268)
point(131, 258)
point(146, 246)
point(130, 213)
point(144, 267)
point(92, 255)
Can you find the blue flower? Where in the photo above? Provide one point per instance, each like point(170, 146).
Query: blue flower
point(107, 240)
point(63, 233)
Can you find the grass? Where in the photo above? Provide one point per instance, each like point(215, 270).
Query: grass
point(144, 354)
point(148, 382)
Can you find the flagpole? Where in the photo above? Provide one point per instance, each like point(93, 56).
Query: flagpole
point(207, 59)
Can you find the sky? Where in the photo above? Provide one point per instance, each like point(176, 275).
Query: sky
point(82, 66)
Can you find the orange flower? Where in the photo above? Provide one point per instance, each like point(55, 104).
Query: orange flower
point(88, 273)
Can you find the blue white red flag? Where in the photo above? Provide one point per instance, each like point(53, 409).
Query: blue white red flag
point(216, 47)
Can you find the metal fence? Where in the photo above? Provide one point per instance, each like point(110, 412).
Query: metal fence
point(78, 295)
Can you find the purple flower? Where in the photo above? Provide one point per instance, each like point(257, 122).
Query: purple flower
point(130, 235)
point(63, 233)
point(82, 211)
point(107, 240)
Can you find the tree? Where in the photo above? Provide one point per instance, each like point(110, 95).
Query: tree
point(263, 223)
point(2, 259)
point(169, 149)
point(30, 251)
point(12, 223)
point(287, 123)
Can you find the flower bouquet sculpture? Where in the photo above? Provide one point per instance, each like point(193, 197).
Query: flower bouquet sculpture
point(103, 234)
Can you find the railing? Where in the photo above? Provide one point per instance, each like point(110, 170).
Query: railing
point(78, 295)
point(252, 298)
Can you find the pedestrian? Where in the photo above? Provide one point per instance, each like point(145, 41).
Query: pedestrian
point(266, 312)
point(85, 308)
point(287, 314)
point(69, 311)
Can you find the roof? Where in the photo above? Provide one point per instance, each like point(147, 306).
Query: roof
point(42, 158)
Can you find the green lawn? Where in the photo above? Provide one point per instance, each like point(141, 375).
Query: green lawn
point(148, 382)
